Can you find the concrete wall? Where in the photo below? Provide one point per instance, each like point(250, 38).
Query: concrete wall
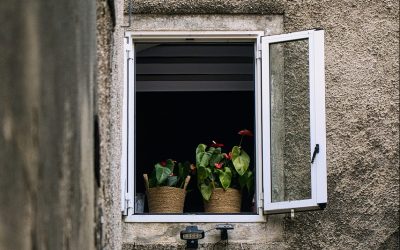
point(108, 107)
point(47, 74)
point(362, 102)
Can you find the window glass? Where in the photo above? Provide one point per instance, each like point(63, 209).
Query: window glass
point(290, 121)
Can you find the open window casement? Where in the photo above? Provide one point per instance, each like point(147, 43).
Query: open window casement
point(293, 115)
point(289, 114)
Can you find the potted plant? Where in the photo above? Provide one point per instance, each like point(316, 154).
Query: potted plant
point(166, 186)
point(222, 176)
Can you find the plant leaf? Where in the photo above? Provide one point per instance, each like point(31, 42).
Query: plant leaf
point(246, 180)
point(202, 174)
point(172, 180)
point(215, 158)
point(162, 173)
point(170, 165)
point(225, 177)
point(153, 180)
point(240, 160)
point(202, 157)
point(200, 150)
point(250, 183)
point(206, 191)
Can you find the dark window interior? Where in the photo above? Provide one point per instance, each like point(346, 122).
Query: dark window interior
point(191, 93)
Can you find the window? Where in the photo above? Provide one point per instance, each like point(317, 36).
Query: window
point(172, 77)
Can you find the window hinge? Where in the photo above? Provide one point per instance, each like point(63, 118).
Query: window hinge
point(129, 203)
point(258, 54)
point(128, 46)
point(261, 200)
point(128, 206)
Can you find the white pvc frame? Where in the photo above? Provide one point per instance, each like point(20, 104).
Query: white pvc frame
point(127, 163)
point(317, 122)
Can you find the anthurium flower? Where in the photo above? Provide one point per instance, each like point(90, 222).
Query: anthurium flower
point(163, 163)
point(245, 132)
point(228, 156)
point(216, 145)
point(219, 165)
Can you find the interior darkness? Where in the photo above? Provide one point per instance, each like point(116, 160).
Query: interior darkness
point(171, 123)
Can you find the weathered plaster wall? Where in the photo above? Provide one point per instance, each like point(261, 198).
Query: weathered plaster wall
point(362, 102)
point(108, 109)
point(362, 105)
point(47, 73)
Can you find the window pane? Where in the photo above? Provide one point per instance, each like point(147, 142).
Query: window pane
point(290, 121)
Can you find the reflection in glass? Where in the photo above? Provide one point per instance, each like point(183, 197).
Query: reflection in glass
point(290, 119)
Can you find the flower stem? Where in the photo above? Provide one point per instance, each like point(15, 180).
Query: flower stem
point(241, 139)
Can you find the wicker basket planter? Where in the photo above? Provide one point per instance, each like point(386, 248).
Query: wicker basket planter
point(222, 201)
point(166, 199)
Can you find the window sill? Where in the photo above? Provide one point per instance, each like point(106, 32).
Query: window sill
point(214, 218)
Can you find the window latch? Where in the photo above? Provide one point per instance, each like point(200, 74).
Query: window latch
point(316, 151)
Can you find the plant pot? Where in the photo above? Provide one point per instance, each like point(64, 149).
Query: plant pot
point(224, 201)
point(166, 199)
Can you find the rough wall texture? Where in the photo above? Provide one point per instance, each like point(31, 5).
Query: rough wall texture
point(108, 106)
point(104, 199)
point(362, 104)
point(47, 65)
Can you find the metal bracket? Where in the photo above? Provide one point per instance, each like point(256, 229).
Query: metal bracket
point(292, 214)
point(224, 230)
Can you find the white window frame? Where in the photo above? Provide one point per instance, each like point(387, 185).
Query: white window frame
point(262, 124)
point(317, 122)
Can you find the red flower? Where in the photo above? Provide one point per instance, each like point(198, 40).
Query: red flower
point(245, 132)
point(219, 165)
point(163, 163)
point(216, 145)
point(228, 156)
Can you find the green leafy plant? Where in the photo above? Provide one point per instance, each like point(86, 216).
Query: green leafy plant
point(216, 169)
point(170, 173)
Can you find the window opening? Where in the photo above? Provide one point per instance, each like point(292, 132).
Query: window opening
point(191, 93)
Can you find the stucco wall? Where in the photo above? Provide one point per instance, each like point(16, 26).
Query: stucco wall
point(47, 74)
point(362, 105)
point(108, 109)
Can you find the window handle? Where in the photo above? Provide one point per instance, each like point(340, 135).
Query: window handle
point(316, 151)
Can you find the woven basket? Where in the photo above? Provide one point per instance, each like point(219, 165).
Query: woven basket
point(166, 199)
point(222, 201)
